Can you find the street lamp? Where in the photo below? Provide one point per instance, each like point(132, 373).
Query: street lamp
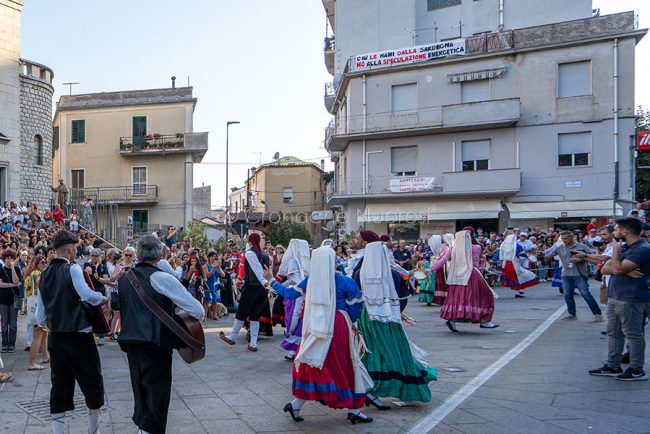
point(227, 209)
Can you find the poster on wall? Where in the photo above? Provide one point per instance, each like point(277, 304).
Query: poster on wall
point(418, 183)
point(437, 228)
point(419, 53)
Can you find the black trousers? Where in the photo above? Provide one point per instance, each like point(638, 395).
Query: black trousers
point(151, 380)
point(74, 357)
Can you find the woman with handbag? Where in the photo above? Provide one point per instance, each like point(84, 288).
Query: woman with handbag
point(39, 341)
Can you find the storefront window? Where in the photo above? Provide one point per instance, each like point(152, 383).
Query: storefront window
point(408, 232)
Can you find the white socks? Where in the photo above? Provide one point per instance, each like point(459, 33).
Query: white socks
point(58, 423)
point(93, 421)
point(141, 431)
point(297, 404)
point(255, 330)
point(235, 329)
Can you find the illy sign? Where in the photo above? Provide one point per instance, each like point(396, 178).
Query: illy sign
point(643, 140)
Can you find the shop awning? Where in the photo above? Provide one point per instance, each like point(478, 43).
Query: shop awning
point(442, 210)
point(585, 208)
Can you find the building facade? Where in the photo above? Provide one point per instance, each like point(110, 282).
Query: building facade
point(487, 113)
point(133, 153)
point(25, 116)
point(288, 187)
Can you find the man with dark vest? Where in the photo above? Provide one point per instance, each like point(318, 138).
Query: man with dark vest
point(147, 342)
point(73, 353)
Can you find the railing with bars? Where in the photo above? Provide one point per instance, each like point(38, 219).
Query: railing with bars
point(152, 141)
point(123, 194)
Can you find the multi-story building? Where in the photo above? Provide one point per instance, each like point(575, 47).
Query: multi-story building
point(133, 153)
point(481, 112)
point(289, 187)
point(25, 116)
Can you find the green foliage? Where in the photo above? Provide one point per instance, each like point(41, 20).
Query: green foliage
point(642, 175)
point(197, 235)
point(349, 237)
point(283, 231)
point(219, 245)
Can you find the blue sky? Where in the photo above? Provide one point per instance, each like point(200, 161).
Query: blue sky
point(256, 61)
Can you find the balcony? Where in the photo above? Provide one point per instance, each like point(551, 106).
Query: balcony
point(329, 53)
point(124, 195)
point(425, 121)
point(484, 182)
point(161, 144)
point(330, 97)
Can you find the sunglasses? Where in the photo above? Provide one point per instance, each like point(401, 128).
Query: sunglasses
point(128, 255)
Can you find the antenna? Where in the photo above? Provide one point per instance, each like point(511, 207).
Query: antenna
point(70, 84)
point(276, 156)
point(259, 154)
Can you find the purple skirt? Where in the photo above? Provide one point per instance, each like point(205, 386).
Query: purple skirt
point(293, 322)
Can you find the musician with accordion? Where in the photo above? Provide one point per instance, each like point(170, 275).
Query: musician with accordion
point(63, 300)
point(149, 299)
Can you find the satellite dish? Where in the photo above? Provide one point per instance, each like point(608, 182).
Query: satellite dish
point(276, 156)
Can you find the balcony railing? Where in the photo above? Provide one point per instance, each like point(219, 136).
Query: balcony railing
point(329, 97)
point(152, 142)
point(329, 51)
point(119, 195)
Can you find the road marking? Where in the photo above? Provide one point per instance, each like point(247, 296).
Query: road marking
point(437, 415)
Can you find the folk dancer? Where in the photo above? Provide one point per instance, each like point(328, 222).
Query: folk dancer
point(147, 342)
point(469, 298)
point(327, 368)
point(73, 353)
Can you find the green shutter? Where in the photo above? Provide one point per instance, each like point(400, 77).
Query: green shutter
point(78, 134)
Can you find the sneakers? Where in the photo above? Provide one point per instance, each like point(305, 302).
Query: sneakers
point(625, 360)
point(569, 317)
point(101, 341)
point(606, 371)
point(598, 318)
point(632, 374)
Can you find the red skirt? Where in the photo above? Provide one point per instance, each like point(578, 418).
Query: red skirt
point(509, 278)
point(440, 291)
point(473, 302)
point(333, 385)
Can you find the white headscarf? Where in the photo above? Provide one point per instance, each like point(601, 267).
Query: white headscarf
point(508, 249)
point(449, 239)
point(435, 243)
point(295, 260)
point(460, 267)
point(320, 309)
point(379, 295)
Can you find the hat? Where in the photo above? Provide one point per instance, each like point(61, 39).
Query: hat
point(523, 234)
point(384, 238)
point(597, 240)
point(533, 238)
point(369, 236)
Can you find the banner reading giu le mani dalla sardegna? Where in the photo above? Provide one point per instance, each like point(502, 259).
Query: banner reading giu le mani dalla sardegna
point(419, 53)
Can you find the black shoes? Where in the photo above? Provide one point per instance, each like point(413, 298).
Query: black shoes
point(376, 403)
point(606, 371)
point(632, 374)
point(625, 359)
point(294, 414)
point(358, 418)
point(451, 325)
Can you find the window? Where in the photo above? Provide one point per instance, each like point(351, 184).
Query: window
point(404, 160)
point(574, 149)
point(476, 155)
point(140, 222)
point(77, 179)
point(78, 133)
point(139, 129)
point(38, 150)
point(441, 4)
point(287, 194)
point(139, 181)
point(475, 90)
point(404, 98)
point(574, 79)
point(55, 140)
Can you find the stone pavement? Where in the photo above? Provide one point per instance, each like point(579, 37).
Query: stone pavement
point(544, 389)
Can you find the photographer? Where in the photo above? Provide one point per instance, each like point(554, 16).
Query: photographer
point(574, 274)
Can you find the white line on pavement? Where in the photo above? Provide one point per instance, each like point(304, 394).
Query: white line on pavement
point(436, 416)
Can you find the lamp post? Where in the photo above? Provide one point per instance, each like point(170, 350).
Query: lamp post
point(227, 208)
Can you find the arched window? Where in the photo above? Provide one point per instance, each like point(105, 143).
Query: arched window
point(38, 150)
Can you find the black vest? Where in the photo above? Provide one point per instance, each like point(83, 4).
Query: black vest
point(60, 300)
point(250, 279)
point(139, 324)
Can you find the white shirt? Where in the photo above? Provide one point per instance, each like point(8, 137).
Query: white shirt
point(167, 285)
point(256, 267)
point(165, 266)
point(83, 290)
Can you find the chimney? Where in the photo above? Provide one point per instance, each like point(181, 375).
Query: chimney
point(173, 82)
point(322, 165)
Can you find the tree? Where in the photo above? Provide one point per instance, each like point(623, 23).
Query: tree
point(642, 122)
point(197, 235)
point(283, 231)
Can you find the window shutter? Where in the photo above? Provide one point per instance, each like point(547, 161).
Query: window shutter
point(404, 98)
point(574, 143)
point(476, 150)
point(476, 90)
point(574, 79)
point(404, 159)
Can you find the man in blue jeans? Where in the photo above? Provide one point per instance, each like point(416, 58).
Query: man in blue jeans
point(628, 297)
point(574, 274)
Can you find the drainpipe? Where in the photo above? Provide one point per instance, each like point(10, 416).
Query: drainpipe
point(501, 15)
point(363, 151)
point(616, 164)
point(518, 162)
point(453, 156)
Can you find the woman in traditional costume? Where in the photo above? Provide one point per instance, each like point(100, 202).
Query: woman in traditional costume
point(514, 276)
point(469, 297)
point(293, 269)
point(440, 292)
point(389, 358)
point(327, 368)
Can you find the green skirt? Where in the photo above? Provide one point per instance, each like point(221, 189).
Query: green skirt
point(427, 288)
point(390, 363)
